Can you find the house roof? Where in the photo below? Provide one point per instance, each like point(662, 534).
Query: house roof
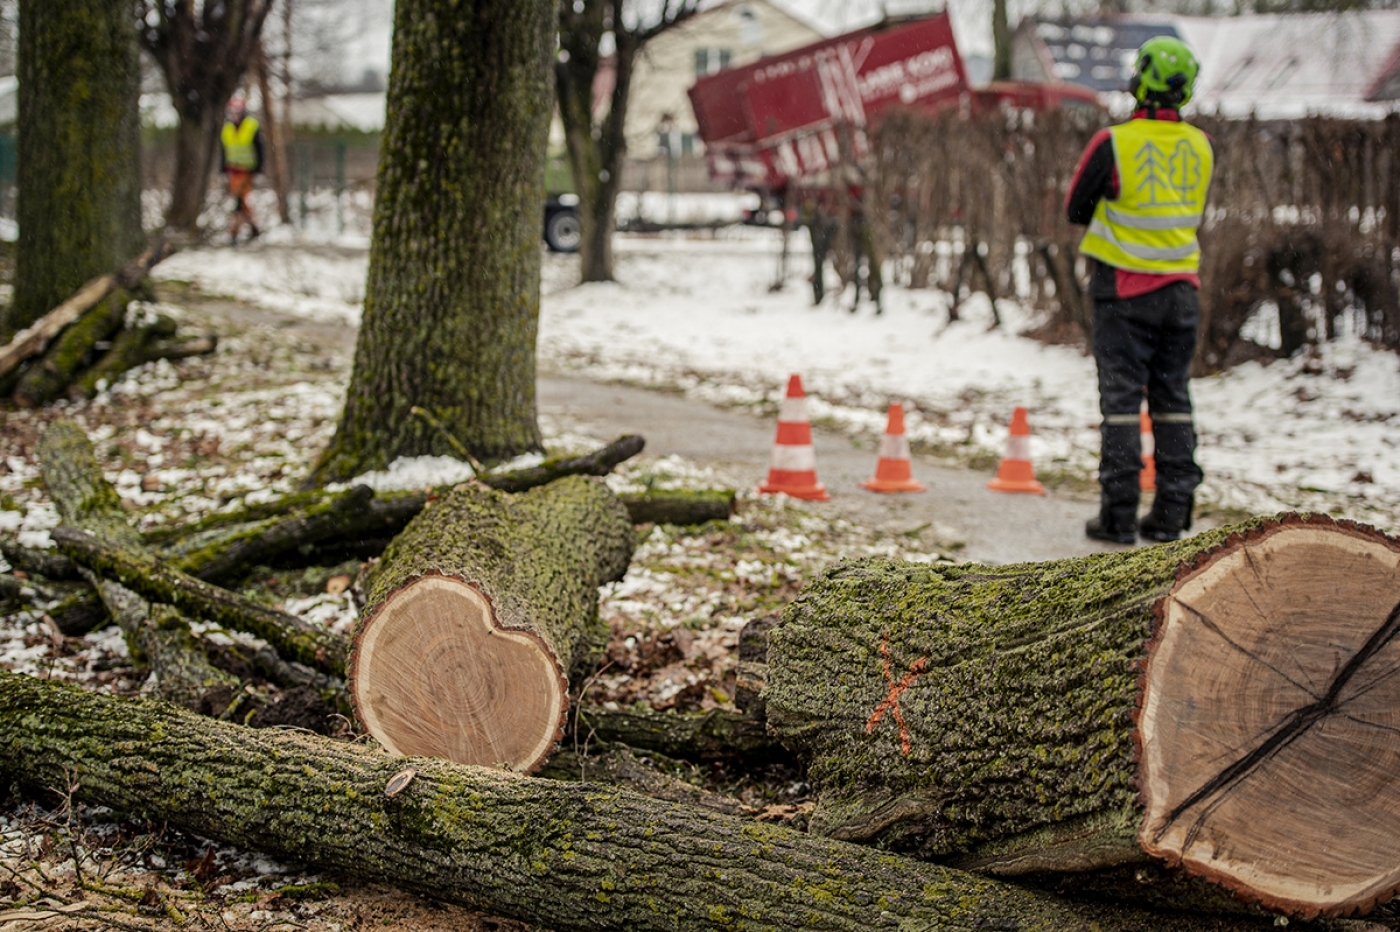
point(1275, 66)
point(1284, 66)
point(1097, 53)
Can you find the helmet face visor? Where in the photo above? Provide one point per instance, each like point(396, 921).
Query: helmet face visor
point(1165, 72)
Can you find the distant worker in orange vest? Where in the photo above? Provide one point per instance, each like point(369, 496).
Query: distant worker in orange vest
point(1140, 188)
point(241, 159)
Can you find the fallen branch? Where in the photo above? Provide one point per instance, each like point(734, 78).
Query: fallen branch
point(158, 635)
point(34, 339)
point(598, 463)
point(570, 857)
point(149, 577)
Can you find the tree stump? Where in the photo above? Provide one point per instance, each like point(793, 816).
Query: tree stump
point(477, 613)
point(1224, 703)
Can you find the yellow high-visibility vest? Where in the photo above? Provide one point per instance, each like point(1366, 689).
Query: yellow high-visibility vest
point(1164, 170)
point(239, 151)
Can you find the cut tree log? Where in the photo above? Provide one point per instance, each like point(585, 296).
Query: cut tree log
point(45, 380)
point(476, 615)
point(132, 347)
point(564, 856)
point(157, 635)
point(1224, 703)
point(681, 507)
point(34, 339)
point(715, 734)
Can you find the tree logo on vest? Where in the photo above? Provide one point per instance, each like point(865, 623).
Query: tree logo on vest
point(1168, 179)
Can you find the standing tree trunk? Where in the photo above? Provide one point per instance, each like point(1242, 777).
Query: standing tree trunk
point(277, 136)
point(1225, 703)
point(597, 141)
point(203, 51)
point(79, 154)
point(477, 613)
point(452, 299)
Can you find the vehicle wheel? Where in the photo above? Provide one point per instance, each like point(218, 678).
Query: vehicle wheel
point(562, 231)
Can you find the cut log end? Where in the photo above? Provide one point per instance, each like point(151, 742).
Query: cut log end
point(435, 674)
point(1268, 719)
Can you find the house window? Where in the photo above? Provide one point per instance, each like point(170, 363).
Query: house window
point(708, 61)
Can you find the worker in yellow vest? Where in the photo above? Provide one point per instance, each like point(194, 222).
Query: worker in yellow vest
point(242, 158)
point(1140, 188)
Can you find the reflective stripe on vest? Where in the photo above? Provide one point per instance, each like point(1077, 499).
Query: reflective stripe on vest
point(239, 151)
point(1164, 171)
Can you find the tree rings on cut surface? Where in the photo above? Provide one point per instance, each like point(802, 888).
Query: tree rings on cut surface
point(1269, 723)
point(435, 675)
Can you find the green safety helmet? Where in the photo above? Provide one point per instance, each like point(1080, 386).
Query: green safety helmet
point(1164, 72)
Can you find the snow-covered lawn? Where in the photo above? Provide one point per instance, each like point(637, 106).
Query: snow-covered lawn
point(1318, 433)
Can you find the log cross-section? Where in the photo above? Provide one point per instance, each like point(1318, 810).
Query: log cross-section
point(477, 614)
point(1270, 719)
point(487, 694)
point(1228, 703)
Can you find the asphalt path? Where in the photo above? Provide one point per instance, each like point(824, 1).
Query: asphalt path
point(958, 513)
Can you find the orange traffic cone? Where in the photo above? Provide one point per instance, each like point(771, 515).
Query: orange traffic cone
point(793, 466)
point(1015, 474)
point(1147, 479)
point(892, 471)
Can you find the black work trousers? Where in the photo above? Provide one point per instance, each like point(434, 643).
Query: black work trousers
point(1144, 344)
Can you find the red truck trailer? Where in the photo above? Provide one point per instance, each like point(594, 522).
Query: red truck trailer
point(790, 118)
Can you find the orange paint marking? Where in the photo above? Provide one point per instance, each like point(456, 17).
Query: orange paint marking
point(891, 702)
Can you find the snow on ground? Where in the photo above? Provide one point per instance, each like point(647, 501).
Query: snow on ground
point(699, 314)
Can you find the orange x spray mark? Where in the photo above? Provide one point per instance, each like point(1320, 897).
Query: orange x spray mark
point(891, 702)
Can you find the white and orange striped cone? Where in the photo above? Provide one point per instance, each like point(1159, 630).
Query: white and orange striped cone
point(1147, 479)
point(893, 471)
point(792, 469)
point(1015, 473)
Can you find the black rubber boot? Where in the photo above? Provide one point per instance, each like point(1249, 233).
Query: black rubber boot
point(1116, 524)
point(1166, 520)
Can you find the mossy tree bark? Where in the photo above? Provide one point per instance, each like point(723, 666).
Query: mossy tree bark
point(203, 51)
point(477, 614)
point(79, 154)
point(565, 856)
point(1223, 703)
point(452, 299)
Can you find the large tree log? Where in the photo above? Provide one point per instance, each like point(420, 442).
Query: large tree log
point(158, 635)
point(476, 615)
point(569, 857)
point(1224, 702)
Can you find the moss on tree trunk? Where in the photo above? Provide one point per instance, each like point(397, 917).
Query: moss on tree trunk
point(79, 158)
point(570, 857)
point(452, 298)
point(1198, 702)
